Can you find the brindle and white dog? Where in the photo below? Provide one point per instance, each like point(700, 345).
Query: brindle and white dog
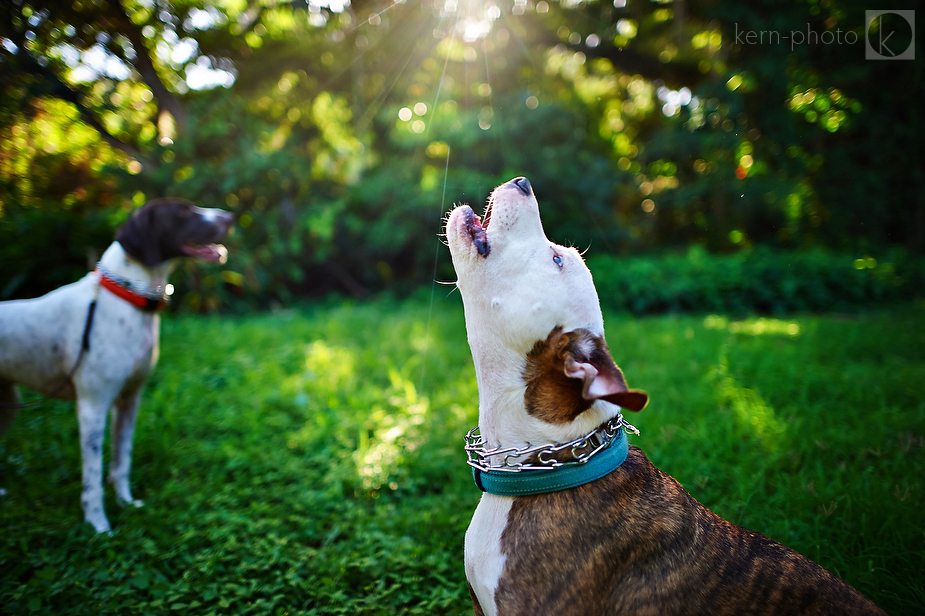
point(41, 339)
point(633, 541)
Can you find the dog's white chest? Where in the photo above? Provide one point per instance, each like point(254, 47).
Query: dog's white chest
point(484, 560)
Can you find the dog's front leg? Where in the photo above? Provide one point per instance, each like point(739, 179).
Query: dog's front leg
point(124, 412)
point(91, 414)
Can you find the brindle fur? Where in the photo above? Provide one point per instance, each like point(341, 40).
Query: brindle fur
point(635, 542)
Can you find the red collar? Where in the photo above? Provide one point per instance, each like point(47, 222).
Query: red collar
point(142, 302)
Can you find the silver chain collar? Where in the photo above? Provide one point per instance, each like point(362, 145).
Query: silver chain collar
point(582, 449)
point(142, 288)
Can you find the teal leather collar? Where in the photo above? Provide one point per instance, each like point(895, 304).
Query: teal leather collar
point(564, 476)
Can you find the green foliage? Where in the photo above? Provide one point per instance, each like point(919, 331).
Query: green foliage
point(310, 461)
point(756, 281)
point(55, 214)
point(340, 135)
point(256, 158)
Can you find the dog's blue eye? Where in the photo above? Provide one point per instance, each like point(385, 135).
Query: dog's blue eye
point(557, 260)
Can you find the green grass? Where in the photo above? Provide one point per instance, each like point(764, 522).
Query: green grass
point(310, 461)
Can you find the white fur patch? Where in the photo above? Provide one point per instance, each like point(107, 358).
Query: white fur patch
point(484, 560)
point(515, 296)
point(210, 214)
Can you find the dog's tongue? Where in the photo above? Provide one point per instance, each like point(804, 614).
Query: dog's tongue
point(207, 252)
point(479, 237)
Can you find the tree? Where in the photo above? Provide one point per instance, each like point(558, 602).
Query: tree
point(339, 133)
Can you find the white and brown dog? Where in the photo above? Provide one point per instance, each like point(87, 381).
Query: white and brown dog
point(96, 340)
point(609, 534)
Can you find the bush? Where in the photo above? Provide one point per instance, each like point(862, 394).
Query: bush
point(760, 281)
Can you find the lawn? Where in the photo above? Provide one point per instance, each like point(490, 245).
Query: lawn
point(309, 461)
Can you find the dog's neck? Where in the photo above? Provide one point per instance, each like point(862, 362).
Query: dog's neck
point(503, 417)
point(118, 262)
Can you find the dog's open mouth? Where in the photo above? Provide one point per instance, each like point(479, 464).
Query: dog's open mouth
point(477, 231)
point(206, 252)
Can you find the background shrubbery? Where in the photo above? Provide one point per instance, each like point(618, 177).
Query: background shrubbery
point(339, 135)
point(757, 281)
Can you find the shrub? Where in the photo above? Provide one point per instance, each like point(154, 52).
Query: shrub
point(759, 280)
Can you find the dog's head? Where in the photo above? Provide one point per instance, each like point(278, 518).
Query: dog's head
point(164, 229)
point(533, 317)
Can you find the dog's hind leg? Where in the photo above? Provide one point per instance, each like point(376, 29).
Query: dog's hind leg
point(91, 414)
point(9, 405)
point(124, 412)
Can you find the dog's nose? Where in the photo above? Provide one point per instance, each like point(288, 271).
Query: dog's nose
point(523, 184)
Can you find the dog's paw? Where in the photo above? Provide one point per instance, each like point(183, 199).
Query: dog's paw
point(100, 524)
point(130, 502)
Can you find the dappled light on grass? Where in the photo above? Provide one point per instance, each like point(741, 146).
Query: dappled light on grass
point(752, 412)
point(385, 423)
point(396, 429)
point(754, 327)
point(328, 369)
point(329, 373)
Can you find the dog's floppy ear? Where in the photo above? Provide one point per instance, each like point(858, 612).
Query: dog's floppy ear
point(601, 378)
point(138, 237)
point(568, 371)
